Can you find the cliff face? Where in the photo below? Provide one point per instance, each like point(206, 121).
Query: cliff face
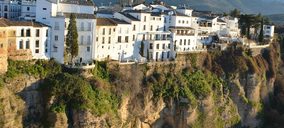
point(194, 91)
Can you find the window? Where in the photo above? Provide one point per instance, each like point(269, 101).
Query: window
point(133, 38)
point(184, 43)
point(37, 51)
point(97, 38)
point(37, 44)
point(37, 32)
point(27, 44)
point(157, 46)
point(21, 45)
point(134, 27)
point(88, 49)
point(151, 46)
point(104, 31)
point(109, 32)
point(188, 42)
point(119, 39)
point(28, 8)
point(109, 39)
point(1, 45)
point(6, 15)
point(82, 39)
point(103, 41)
point(126, 39)
point(28, 32)
point(82, 26)
point(46, 34)
point(56, 26)
point(5, 8)
point(145, 18)
point(144, 27)
point(56, 38)
point(89, 26)
point(43, 8)
point(89, 40)
point(180, 42)
point(164, 46)
point(151, 28)
point(22, 33)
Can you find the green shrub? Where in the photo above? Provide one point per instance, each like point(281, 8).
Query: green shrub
point(39, 68)
point(100, 71)
point(75, 92)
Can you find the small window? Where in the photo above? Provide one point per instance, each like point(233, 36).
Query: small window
point(109, 32)
point(151, 46)
point(37, 44)
point(88, 49)
point(56, 38)
point(22, 33)
point(109, 39)
point(104, 31)
point(27, 44)
point(157, 46)
point(37, 32)
point(126, 39)
point(46, 34)
point(28, 8)
point(133, 38)
point(43, 8)
point(21, 45)
point(28, 32)
point(119, 39)
point(37, 51)
point(103, 40)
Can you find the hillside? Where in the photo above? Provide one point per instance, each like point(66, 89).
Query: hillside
point(247, 6)
point(215, 89)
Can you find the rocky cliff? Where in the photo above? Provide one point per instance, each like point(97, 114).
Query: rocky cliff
point(216, 89)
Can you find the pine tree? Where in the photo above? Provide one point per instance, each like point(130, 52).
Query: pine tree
point(72, 47)
point(142, 49)
point(260, 36)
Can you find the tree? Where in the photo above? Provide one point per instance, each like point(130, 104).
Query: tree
point(142, 49)
point(260, 36)
point(72, 47)
point(235, 13)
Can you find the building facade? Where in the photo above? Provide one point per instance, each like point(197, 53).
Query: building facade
point(10, 9)
point(56, 14)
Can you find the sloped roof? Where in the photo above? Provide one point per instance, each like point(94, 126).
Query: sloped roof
point(5, 23)
point(129, 16)
point(105, 22)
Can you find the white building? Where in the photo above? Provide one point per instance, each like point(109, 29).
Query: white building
point(268, 31)
point(10, 9)
point(28, 10)
point(159, 47)
point(56, 14)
